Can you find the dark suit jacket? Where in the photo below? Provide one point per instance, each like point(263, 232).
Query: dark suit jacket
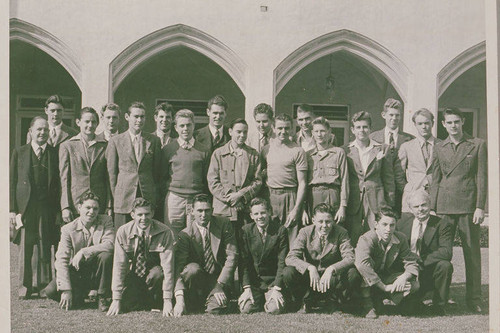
point(66, 133)
point(173, 135)
point(437, 242)
point(377, 182)
point(459, 180)
point(204, 137)
point(306, 250)
point(79, 175)
point(189, 249)
point(379, 136)
point(21, 180)
point(263, 260)
point(369, 257)
point(126, 174)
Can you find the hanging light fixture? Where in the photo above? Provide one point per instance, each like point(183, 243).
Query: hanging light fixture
point(330, 80)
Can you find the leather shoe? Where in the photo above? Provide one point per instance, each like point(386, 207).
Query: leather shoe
point(475, 308)
point(103, 303)
point(372, 314)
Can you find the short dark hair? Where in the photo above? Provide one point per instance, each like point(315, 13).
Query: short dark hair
point(35, 119)
point(87, 109)
point(265, 109)
point(141, 202)
point(324, 208)
point(321, 121)
point(260, 201)
point(217, 100)
point(453, 111)
point(138, 105)
point(392, 103)
point(424, 112)
point(88, 195)
point(54, 99)
point(202, 197)
point(385, 211)
point(238, 121)
point(305, 108)
point(166, 107)
point(284, 117)
point(361, 115)
point(112, 107)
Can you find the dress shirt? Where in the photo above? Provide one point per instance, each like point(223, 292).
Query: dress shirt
point(307, 143)
point(87, 233)
point(430, 141)
point(35, 147)
point(57, 128)
point(203, 231)
point(140, 232)
point(414, 233)
point(263, 232)
point(364, 154)
point(214, 131)
point(387, 132)
point(189, 143)
point(164, 136)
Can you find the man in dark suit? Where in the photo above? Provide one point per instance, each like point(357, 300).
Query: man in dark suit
point(82, 166)
point(458, 190)
point(206, 258)
point(163, 118)
point(58, 131)
point(215, 134)
point(34, 203)
point(320, 264)
point(386, 263)
point(392, 135)
point(371, 181)
point(430, 238)
point(133, 159)
point(110, 119)
point(263, 250)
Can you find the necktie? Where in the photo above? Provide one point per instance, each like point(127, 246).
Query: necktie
point(425, 151)
point(262, 234)
point(137, 148)
point(186, 146)
point(322, 240)
point(39, 153)
point(208, 255)
point(217, 138)
point(263, 141)
point(391, 140)
point(420, 235)
point(140, 260)
point(52, 135)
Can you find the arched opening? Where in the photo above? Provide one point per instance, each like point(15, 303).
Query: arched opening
point(364, 74)
point(34, 76)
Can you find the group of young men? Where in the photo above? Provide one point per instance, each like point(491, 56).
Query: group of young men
point(188, 221)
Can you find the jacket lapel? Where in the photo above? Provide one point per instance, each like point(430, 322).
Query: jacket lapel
point(354, 155)
point(406, 226)
point(215, 236)
point(392, 253)
point(430, 230)
point(128, 145)
point(198, 242)
point(99, 149)
point(98, 231)
point(465, 148)
point(372, 154)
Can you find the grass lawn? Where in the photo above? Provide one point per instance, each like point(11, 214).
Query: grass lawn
point(41, 315)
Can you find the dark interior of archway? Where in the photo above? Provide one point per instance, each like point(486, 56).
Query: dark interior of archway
point(179, 74)
point(35, 73)
point(468, 91)
point(357, 84)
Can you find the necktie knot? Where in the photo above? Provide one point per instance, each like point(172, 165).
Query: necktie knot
point(391, 139)
point(39, 152)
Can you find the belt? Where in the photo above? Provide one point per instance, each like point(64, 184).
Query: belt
point(282, 190)
point(323, 187)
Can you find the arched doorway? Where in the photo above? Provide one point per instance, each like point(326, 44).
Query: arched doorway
point(182, 65)
point(40, 66)
point(364, 75)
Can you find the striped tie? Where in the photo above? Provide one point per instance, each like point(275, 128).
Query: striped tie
point(140, 263)
point(208, 255)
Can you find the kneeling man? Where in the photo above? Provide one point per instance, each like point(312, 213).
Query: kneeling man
point(84, 257)
point(384, 260)
point(263, 249)
point(324, 251)
point(143, 263)
point(206, 258)
point(431, 239)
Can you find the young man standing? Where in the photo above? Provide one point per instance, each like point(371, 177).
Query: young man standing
point(163, 119)
point(371, 181)
point(304, 137)
point(133, 159)
point(263, 115)
point(206, 258)
point(416, 156)
point(263, 250)
point(58, 131)
point(110, 118)
point(286, 165)
point(143, 263)
point(320, 264)
point(328, 178)
point(458, 191)
point(215, 134)
point(184, 164)
point(386, 263)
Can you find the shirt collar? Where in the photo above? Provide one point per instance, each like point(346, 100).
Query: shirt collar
point(57, 127)
point(214, 130)
point(393, 240)
point(424, 222)
point(235, 151)
point(35, 146)
point(370, 146)
point(81, 226)
point(388, 130)
point(421, 140)
point(133, 136)
point(182, 142)
point(160, 133)
point(202, 229)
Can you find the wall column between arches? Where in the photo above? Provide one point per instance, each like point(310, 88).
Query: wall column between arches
point(95, 84)
point(422, 93)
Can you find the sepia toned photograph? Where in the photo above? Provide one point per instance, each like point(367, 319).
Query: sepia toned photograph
point(272, 166)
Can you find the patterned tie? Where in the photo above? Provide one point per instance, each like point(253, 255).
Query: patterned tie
point(425, 151)
point(217, 138)
point(39, 153)
point(322, 240)
point(52, 136)
point(140, 260)
point(208, 255)
point(391, 140)
point(263, 141)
